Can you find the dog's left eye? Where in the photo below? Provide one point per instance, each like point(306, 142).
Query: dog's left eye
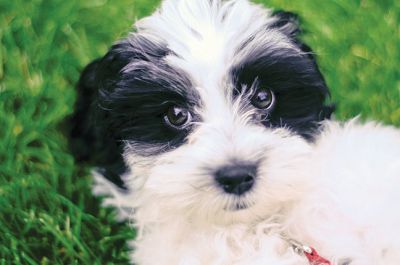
point(177, 117)
point(263, 98)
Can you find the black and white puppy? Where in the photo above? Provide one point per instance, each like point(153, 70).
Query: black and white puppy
point(207, 112)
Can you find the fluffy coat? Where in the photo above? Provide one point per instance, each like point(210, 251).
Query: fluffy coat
point(329, 185)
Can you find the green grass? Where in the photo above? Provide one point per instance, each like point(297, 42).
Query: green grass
point(47, 214)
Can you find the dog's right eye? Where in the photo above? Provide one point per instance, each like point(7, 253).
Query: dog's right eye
point(177, 117)
point(263, 99)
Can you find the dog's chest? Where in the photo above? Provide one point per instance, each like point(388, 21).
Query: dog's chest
point(233, 246)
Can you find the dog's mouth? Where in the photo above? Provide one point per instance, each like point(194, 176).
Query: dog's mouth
point(238, 206)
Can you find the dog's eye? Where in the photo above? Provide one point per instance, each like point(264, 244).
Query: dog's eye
point(177, 117)
point(263, 99)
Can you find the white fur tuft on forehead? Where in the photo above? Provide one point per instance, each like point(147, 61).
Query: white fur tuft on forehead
point(203, 30)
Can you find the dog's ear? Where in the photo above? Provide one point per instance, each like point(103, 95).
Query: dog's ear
point(90, 139)
point(287, 23)
point(82, 134)
point(94, 133)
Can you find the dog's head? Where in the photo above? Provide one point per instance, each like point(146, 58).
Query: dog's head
point(211, 104)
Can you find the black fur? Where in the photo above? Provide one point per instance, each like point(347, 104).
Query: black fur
point(136, 99)
point(287, 23)
point(89, 141)
point(124, 97)
point(300, 89)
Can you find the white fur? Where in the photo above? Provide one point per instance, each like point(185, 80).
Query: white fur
point(345, 192)
point(339, 195)
point(352, 210)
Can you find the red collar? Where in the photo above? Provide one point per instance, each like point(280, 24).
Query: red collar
point(316, 259)
point(311, 254)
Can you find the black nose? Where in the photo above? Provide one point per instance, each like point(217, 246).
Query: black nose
point(236, 179)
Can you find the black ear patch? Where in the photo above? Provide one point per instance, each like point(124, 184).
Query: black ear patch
point(287, 23)
point(92, 138)
point(89, 140)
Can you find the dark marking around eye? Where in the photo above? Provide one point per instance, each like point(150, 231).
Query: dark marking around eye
point(298, 86)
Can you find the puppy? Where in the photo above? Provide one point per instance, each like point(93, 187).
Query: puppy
point(207, 120)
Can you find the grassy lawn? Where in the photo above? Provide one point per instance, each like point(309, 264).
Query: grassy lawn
point(47, 214)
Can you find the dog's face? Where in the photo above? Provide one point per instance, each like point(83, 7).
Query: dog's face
point(213, 102)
